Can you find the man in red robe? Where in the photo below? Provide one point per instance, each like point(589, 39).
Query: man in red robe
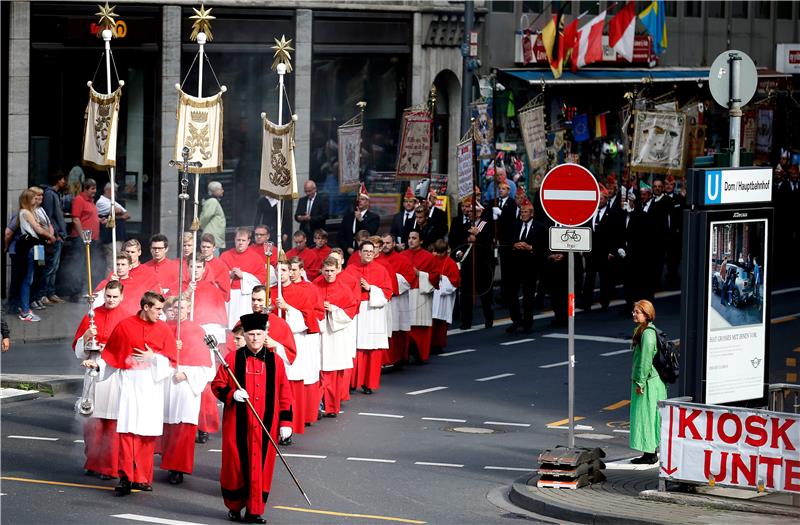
point(142, 351)
point(134, 250)
point(166, 270)
point(425, 281)
point(373, 334)
point(321, 244)
point(444, 297)
point(136, 286)
point(401, 310)
point(248, 459)
point(247, 269)
point(101, 445)
point(217, 271)
point(311, 261)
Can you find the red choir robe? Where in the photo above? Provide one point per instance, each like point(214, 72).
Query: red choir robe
point(219, 273)
point(446, 267)
point(311, 261)
point(398, 344)
point(100, 443)
point(373, 334)
point(248, 459)
point(249, 261)
point(138, 427)
point(182, 400)
point(280, 332)
point(322, 254)
point(312, 385)
point(166, 272)
point(133, 289)
point(420, 335)
point(140, 271)
point(259, 249)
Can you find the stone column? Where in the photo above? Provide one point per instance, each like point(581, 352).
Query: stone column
point(302, 101)
point(18, 101)
point(167, 180)
point(419, 91)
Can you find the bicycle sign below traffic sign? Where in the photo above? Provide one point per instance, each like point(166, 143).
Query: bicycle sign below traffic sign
point(570, 239)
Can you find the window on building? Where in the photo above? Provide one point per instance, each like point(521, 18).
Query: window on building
point(763, 10)
point(693, 9)
point(502, 6)
point(591, 8)
point(671, 8)
point(532, 6)
point(739, 9)
point(715, 9)
point(783, 10)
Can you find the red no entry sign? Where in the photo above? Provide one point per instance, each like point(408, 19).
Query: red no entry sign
point(569, 194)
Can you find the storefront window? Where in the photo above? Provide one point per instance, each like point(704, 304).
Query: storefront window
point(502, 6)
point(739, 9)
point(532, 6)
point(591, 8)
point(784, 10)
point(763, 10)
point(715, 9)
point(692, 9)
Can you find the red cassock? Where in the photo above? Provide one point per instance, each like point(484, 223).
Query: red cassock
point(140, 271)
point(423, 261)
point(398, 345)
point(248, 458)
point(280, 332)
point(322, 253)
point(101, 445)
point(209, 303)
point(448, 268)
point(166, 271)
point(311, 261)
point(133, 288)
point(391, 271)
point(249, 261)
point(218, 272)
point(259, 249)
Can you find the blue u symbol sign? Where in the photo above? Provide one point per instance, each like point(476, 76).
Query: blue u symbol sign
point(713, 194)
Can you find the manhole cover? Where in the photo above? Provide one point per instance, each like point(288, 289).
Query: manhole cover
point(594, 436)
point(473, 430)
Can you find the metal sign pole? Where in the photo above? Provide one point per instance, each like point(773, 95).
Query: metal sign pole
point(735, 111)
point(571, 346)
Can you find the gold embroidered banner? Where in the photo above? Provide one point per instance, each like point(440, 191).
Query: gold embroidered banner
point(415, 147)
point(659, 142)
point(278, 176)
point(200, 130)
point(100, 129)
point(531, 124)
point(349, 157)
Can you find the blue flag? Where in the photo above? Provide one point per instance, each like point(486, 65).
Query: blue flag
point(654, 19)
point(580, 128)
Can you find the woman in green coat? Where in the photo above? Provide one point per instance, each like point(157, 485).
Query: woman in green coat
point(647, 389)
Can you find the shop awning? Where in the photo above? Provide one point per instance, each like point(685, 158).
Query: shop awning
point(620, 75)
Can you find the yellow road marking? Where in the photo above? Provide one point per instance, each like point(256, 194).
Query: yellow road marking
point(786, 319)
point(59, 483)
point(796, 349)
point(563, 422)
point(618, 404)
point(791, 377)
point(348, 515)
point(791, 361)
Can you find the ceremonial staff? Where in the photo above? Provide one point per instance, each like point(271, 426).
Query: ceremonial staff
point(211, 342)
point(85, 404)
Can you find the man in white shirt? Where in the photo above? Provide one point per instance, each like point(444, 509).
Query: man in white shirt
point(104, 212)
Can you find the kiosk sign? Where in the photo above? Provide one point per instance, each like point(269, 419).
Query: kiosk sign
point(738, 186)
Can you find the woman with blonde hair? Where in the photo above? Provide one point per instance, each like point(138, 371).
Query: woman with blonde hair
point(32, 233)
point(647, 388)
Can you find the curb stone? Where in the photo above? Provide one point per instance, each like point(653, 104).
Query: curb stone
point(720, 503)
point(45, 384)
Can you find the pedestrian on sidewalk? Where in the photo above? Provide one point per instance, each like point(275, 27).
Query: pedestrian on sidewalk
point(647, 388)
point(32, 234)
point(51, 204)
point(6, 333)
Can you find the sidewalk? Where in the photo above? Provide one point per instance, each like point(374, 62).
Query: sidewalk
point(58, 322)
point(630, 496)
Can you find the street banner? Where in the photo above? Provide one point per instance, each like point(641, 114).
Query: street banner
point(465, 161)
point(278, 177)
point(764, 133)
point(659, 142)
point(531, 124)
point(349, 156)
point(415, 146)
point(731, 446)
point(748, 130)
point(100, 129)
point(483, 129)
point(200, 130)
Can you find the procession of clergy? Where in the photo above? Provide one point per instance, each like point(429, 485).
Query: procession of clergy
point(332, 326)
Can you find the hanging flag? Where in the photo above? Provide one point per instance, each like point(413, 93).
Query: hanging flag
point(590, 41)
point(278, 176)
point(580, 128)
point(200, 130)
point(570, 44)
point(600, 125)
point(655, 21)
point(349, 156)
point(100, 129)
point(551, 39)
point(622, 30)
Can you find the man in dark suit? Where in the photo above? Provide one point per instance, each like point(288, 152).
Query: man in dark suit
point(312, 210)
point(471, 244)
point(403, 222)
point(504, 213)
point(601, 261)
point(360, 219)
point(435, 215)
point(675, 233)
point(526, 256)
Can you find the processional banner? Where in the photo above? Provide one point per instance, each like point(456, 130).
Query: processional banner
point(531, 124)
point(200, 130)
point(278, 174)
point(415, 146)
point(659, 142)
point(466, 169)
point(100, 129)
point(349, 156)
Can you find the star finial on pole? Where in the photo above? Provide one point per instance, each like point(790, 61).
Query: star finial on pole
point(202, 22)
point(282, 55)
point(107, 21)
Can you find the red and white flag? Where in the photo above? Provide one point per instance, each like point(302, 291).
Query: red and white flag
point(590, 41)
point(621, 31)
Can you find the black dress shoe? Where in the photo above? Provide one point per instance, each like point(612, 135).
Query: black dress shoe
point(648, 458)
point(175, 477)
point(512, 329)
point(465, 326)
point(202, 437)
point(105, 477)
point(331, 414)
point(144, 487)
point(123, 488)
point(366, 390)
point(527, 329)
point(234, 515)
point(285, 442)
point(253, 518)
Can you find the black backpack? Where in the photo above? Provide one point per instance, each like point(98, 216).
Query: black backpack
point(667, 358)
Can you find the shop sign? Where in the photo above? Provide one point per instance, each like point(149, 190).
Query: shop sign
point(787, 58)
point(121, 29)
point(737, 447)
point(738, 186)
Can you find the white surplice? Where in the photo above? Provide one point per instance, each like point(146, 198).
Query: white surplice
point(444, 299)
point(337, 340)
point(421, 301)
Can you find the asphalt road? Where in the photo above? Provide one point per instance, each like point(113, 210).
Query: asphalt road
point(427, 447)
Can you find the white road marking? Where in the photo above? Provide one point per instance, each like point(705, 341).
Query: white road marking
point(505, 424)
point(153, 519)
point(446, 420)
point(380, 415)
point(617, 352)
point(518, 341)
point(309, 456)
point(516, 469)
point(622, 431)
point(491, 378)
point(552, 365)
point(373, 460)
point(36, 438)
point(448, 354)
point(595, 338)
point(78, 441)
point(570, 195)
point(425, 391)
point(566, 427)
point(219, 450)
point(453, 465)
point(786, 290)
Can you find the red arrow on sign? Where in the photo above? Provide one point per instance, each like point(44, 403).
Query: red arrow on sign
point(669, 469)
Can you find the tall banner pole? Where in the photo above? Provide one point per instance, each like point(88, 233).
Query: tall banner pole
point(112, 222)
point(201, 42)
point(281, 70)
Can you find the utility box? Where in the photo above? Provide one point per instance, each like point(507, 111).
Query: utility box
point(570, 468)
